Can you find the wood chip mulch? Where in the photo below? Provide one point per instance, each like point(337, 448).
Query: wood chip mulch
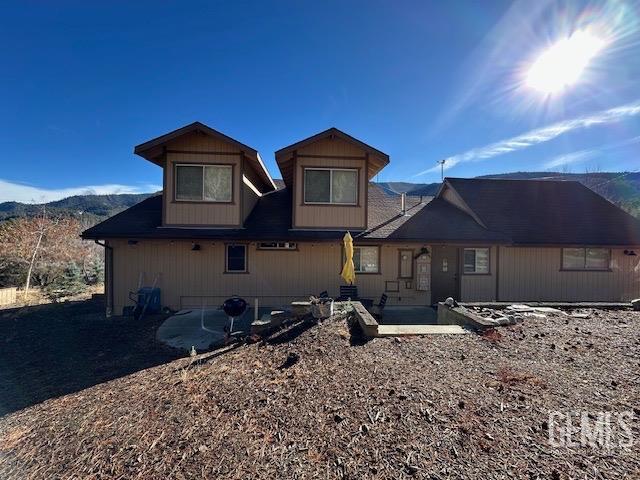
point(311, 403)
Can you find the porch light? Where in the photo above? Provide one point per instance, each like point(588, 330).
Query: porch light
point(630, 253)
point(195, 247)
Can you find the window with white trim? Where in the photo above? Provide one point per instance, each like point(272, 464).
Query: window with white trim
point(236, 258)
point(476, 260)
point(331, 186)
point(586, 258)
point(204, 183)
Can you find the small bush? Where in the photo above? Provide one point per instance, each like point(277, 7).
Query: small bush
point(94, 273)
point(69, 283)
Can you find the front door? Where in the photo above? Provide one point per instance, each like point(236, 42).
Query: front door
point(444, 273)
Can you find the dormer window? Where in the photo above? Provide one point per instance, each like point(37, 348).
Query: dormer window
point(204, 183)
point(331, 186)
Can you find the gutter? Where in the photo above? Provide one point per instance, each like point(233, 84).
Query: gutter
point(109, 280)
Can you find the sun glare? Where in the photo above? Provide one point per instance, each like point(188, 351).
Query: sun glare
point(564, 62)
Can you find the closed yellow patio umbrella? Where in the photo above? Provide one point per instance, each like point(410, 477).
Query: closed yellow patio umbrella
point(348, 271)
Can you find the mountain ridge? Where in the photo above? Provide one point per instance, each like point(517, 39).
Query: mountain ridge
point(621, 188)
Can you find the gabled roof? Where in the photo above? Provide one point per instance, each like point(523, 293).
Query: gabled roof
point(514, 212)
point(271, 220)
point(547, 212)
point(152, 149)
point(284, 156)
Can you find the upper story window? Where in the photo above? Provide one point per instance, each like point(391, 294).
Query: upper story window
point(476, 260)
point(204, 183)
point(586, 258)
point(331, 186)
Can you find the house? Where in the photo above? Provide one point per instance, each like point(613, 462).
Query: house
point(223, 226)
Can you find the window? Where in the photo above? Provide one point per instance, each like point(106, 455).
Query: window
point(204, 183)
point(332, 186)
point(585, 258)
point(236, 258)
point(366, 259)
point(277, 246)
point(476, 260)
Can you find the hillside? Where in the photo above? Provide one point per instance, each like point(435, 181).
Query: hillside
point(622, 188)
point(93, 207)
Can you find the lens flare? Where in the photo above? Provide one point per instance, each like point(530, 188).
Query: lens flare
point(563, 63)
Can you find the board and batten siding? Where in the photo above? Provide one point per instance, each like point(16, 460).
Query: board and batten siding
point(190, 278)
point(478, 287)
point(322, 154)
point(184, 150)
point(534, 274)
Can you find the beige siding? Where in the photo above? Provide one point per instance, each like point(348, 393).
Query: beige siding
point(249, 200)
point(479, 288)
point(191, 278)
point(330, 216)
point(533, 274)
point(202, 213)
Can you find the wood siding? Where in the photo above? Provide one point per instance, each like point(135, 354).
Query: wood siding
point(189, 149)
point(323, 154)
point(534, 274)
point(191, 278)
point(478, 287)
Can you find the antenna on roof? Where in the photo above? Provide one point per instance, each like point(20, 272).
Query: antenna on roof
point(441, 163)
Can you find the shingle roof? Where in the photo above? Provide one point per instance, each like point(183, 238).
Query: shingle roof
point(271, 220)
point(513, 211)
point(547, 212)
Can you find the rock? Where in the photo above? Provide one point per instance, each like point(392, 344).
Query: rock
point(635, 304)
point(300, 309)
point(291, 360)
point(506, 320)
point(450, 302)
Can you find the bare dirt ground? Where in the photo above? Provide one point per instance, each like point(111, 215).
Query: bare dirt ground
point(465, 406)
point(53, 349)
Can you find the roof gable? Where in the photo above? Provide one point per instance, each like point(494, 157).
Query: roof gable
point(153, 149)
point(284, 157)
point(547, 212)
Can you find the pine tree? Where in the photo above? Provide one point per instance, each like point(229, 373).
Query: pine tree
point(70, 283)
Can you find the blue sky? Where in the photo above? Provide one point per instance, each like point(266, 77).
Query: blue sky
point(82, 83)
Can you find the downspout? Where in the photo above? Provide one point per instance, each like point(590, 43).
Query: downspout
point(108, 277)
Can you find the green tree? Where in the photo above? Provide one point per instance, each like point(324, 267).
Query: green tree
point(69, 283)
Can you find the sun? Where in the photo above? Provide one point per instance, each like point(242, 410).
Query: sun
point(563, 63)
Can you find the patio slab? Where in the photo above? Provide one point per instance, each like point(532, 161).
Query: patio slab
point(183, 330)
point(394, 330)
point(409, 315)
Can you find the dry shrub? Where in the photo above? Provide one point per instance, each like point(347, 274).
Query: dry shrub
point(491, 335)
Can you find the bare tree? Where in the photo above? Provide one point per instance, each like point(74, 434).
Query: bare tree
point(41, 248)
